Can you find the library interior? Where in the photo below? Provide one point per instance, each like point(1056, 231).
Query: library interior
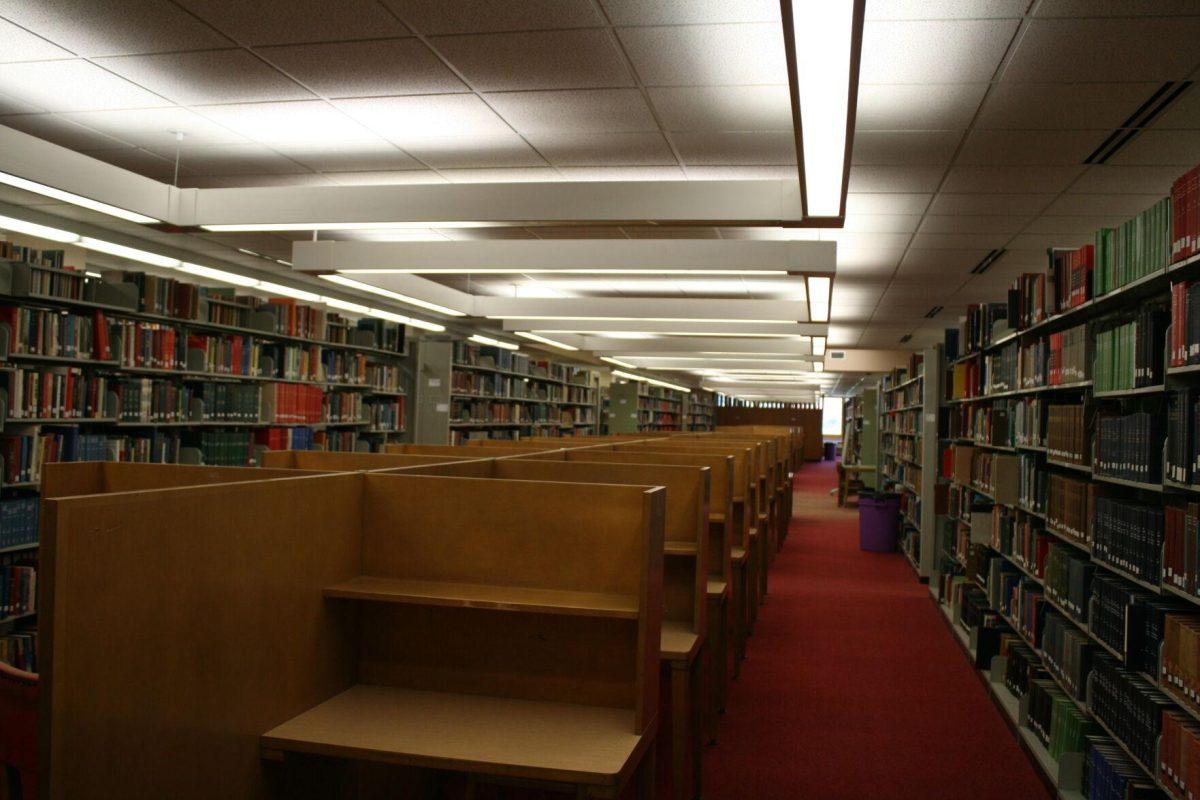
point(381, 380)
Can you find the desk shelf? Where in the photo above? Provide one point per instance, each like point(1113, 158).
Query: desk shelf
point(470, 595)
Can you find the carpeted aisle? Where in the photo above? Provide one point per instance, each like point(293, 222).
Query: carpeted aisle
point(853, 687)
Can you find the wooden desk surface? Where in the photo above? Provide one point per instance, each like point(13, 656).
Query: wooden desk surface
point(679, 642)
point(474, 733)
point(717, 588)
point(474, 595)
point(737, 553)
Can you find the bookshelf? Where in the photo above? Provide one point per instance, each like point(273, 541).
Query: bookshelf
point(699, 411)
point(641, 407)
point(909, 408)
point(472, 391)
point(1073, 446)
point(860, 436)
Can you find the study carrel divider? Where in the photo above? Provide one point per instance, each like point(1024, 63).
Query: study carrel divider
point(73, 478)
point(685, 578)
point(339, 461)
point(250, 631)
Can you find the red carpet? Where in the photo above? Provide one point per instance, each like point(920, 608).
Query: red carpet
point(853, 687)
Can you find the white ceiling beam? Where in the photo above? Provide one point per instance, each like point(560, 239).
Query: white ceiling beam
point(771, 202)
point(577, 309)
point(619, 348)
point(38, 160)
point(421, 289)
point(606, 254)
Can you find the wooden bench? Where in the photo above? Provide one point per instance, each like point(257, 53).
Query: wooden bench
point(365, 618)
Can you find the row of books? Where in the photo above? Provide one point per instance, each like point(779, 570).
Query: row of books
point(32, 255)
point(18, 521)
point(1059, 723)
point(1070, 277)
point(1181, 545)
point(58, 393)
point(1129, 447)
point(976, 331)
point(1034, 484)
point(486, 411)
point(1184, 342)
point(1179, 669)
point(1130, 355)
point(1068, 654)
point(1002, 368)
point(1109, 774)
point(1069, 505)
point(1133, 249)
point(1070, 356)
point(1068, 579)
point(1129, 536)
point(18, 585)
point(1179, 754)
point(40, 331)
point(1182, 449)
point(19, 648)
point(1068, 433)
point(1128, 706)
point(1185, 218)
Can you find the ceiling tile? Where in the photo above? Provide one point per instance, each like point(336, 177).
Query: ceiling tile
point(904, 148)
point(867, 262)
point(385, 178)
point(707, 55)
point(252, 181)
point(335, 156)
point(863, 203)
point(117, 27)
point(1124, 205)
point(476, 152)
point(603, 149)
point(906, 179)
point(432, 17)
point(857, 239)
point(518, 175)
point(1115, 8)
point(957, 241)
point(156, 127)
point(135, 159)
point(902, 107)
point(942, 261)
point(1183, 113)
point(881, 223)
point(574, 111)
point(622, 173)
point(740, 173)
point(21, 45)
point(308, 125)
point(565, 59)
point(426, 119)
point(232, 159)
point(966, 51)
point(1029, 147)
point(1115, 179)
point(207, 77)
point(365, 69)
point(1160, 148)
point(973, 223)
point(1011, 179)
point(1062, 106)
point(1073, 225)
point(991, 204)
point(297, 21)
point(62, 132)
point(72, 86)
point(736, 149)
point(691, 12)
point(723, 108)
point(1106, 50)
point(945, 9)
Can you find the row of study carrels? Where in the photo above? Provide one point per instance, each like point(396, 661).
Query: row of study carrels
point(382, 625)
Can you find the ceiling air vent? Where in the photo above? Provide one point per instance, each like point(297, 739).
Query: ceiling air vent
point(1146, 113)
point(986, 262)
point(933, 312)
point(836, 354)
point(905, 338)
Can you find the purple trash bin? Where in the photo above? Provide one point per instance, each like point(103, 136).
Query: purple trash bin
point(878, 521)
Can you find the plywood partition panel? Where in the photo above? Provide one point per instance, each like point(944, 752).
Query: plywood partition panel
point(576, 567)
point(456, 450)
point(350, 462)
point(67, 479)
point(179, 624)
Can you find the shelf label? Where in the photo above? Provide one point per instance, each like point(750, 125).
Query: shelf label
point(443, 408)
point(435, 382)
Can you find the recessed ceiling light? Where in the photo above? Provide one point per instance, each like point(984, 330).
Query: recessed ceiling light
point(655, 381)
point(344, 305)
point(399, 298)
point(818, 345)
point(40, 231)
point(481, 339)
point(267, 227)
point(523, 271)
point(618, 362)
point(648, 319)
point(288, 291)
point(544, 340)
point(131, 253)
point(218, 275)
point(819, 289)
point(75, 199)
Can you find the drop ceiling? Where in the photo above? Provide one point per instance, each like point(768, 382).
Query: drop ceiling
point(974, 122)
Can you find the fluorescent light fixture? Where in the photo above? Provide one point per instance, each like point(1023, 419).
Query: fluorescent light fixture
point(818, 345)
point(281, 261)
point(819, 291)
point(250, 252)
point(423, 325)
point(131, 253)
point(342, 226)
point(399, 298)
point(654, 381)
point(544, 340)
point(818, 366)
point(343, 305)
point(388, 315)
point(479, 338)
point(40, 231)
point(823, 41)
point(648, 319)
point(522, 271)
point(91, 274)
point(217, 275)
point(618, 362)
point(74, 199)
point(651, 335)
point(288, 291)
